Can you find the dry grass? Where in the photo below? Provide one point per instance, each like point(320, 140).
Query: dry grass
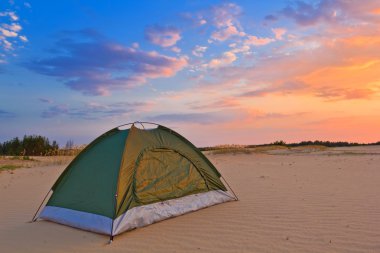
point(241, 149)
point(230, 149)
point(264, 149)
point(14, 162)
point(269, 149)
point(8, 167)
point(233, 151)
point(310, 148)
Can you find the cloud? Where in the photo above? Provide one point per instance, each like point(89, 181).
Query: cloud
point(226, 59)
point(305, 13)
point(261, 115)
point(23, 38)
point(221, 103)
point(196, 118)
point(54, 111)
point(256, 41)
point(199, 51)
point(279, 33)
point(222, 18)
point(164, 36)
point(11, 14)
point(45, 100)
point(282, 88)
point(13, 27)
point(338, 61)
point(226, 33)
point(225, 14)
point(6, 114)
point(6, 45)
point(92, 111)
point(271, 18)
point(176, 49)
point(332, 12)
point(9, 34)
point(202, 22)
point(96, 66)
point(334, 94)
point(225, 19)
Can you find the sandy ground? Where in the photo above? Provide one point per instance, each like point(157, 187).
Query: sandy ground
point(290, 201)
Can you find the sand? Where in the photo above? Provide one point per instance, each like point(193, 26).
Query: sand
point(290, 201)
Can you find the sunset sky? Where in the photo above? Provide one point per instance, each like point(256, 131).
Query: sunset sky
point(242, 72)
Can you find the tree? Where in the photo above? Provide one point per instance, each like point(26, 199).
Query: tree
point(29, 145)
point(69, 144)
point(280, 143)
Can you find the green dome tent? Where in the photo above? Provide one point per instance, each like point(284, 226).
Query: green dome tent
point(130, 178)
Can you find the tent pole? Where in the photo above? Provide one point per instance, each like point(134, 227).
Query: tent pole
point(236, 198)
point(141, 123)
point(114, 217)
point(43, 201)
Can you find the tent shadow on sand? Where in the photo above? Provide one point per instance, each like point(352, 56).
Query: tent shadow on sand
point(131, 177)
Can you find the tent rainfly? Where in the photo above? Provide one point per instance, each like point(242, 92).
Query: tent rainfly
point(131, 177)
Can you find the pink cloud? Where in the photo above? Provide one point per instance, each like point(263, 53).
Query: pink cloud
point(279, 33)
point(224, 60)
point(164, 36)
point(226, 33)
point(256, 41)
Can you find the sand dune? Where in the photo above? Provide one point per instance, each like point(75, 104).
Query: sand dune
point(324, 201)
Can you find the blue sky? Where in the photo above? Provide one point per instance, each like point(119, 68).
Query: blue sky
point(216, 71)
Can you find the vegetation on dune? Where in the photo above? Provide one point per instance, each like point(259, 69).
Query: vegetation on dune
point(331, 143)
point(36, 145)
point(30, 145)
point(234, 149)
point(247, 149)
point(9, 167)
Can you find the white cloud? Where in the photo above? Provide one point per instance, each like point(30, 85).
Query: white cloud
point(8, 33)
point(7, 45)
point(13, 27)
point(13, 15)
point(23, 38)
point(199, 50)
point(202, 22)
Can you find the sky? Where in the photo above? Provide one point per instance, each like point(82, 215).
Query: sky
point(217, 72)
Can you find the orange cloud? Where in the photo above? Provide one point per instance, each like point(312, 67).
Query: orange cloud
point(355, 80)
point(376, 11)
